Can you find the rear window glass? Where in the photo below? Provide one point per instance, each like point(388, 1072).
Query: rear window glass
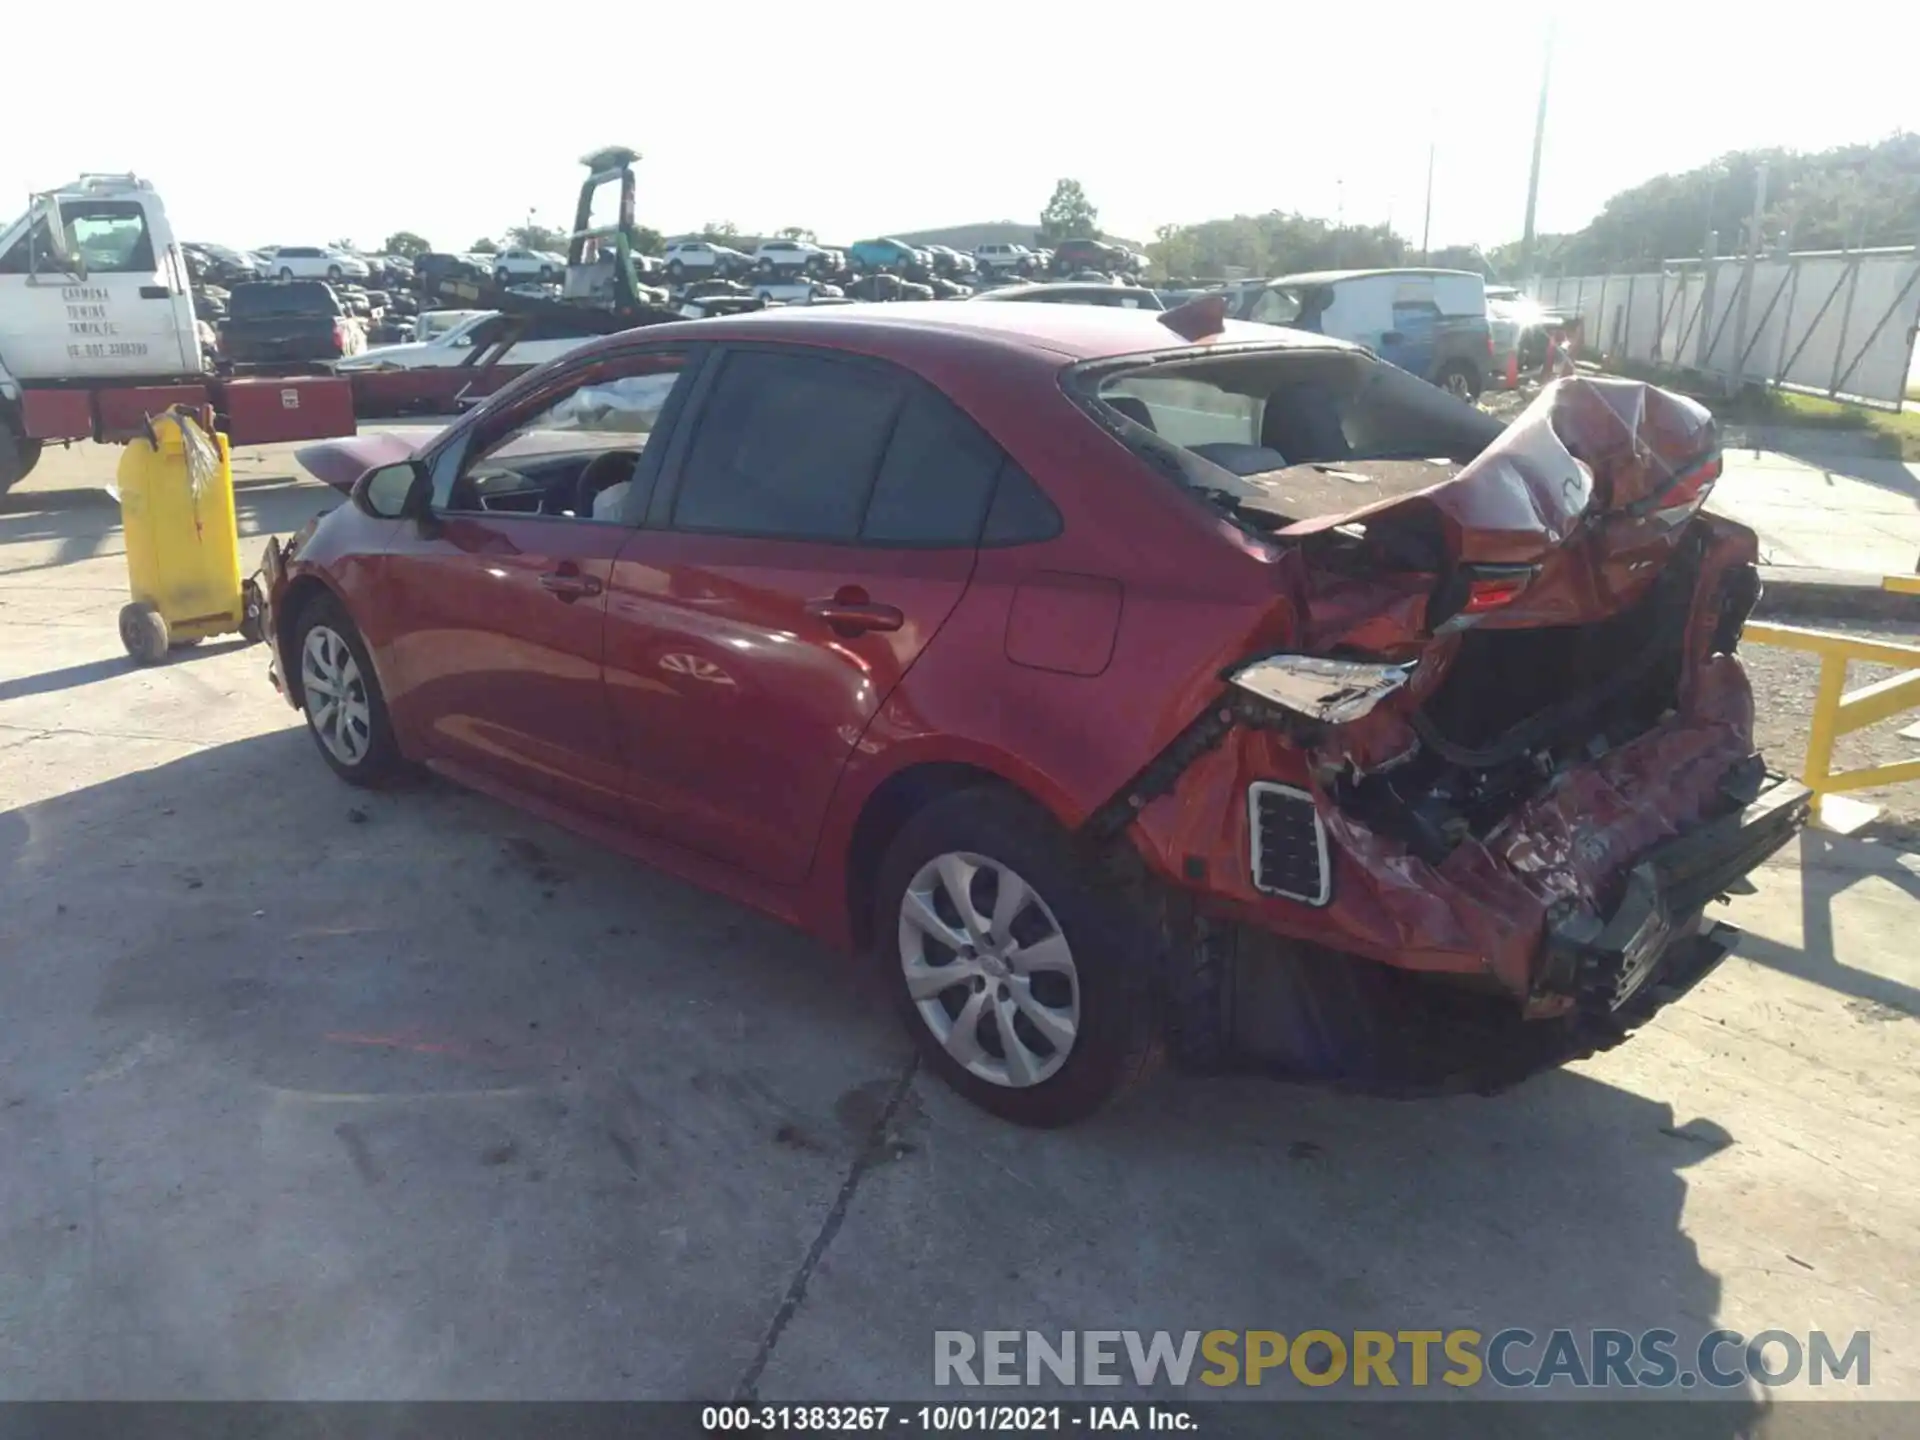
point(251, 300)
point(1212, 423)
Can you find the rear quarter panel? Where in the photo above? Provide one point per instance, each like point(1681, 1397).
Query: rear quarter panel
point(1193, 595)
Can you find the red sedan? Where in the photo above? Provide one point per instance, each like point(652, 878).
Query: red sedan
point(1123, 683)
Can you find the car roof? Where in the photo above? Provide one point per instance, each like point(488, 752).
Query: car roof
point(1329, 277)
point(898, 329)
point(1061, 287)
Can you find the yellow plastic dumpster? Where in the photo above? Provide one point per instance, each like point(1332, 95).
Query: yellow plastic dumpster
point(183, 544)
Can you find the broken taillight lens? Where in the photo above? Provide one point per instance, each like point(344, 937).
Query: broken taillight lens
point(1333, 692)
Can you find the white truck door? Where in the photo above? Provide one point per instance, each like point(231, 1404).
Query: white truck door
point(108, 298)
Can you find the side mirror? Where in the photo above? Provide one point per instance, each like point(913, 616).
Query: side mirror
point(462, 342)
point(395, 492)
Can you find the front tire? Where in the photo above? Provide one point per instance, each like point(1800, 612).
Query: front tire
point(340, 696)
point(18, 456)
point(286, 272)
point(1024, 975)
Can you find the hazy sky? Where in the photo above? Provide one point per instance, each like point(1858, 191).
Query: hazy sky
point(390, 116)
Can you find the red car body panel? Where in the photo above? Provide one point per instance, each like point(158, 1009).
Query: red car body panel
point(745, 737)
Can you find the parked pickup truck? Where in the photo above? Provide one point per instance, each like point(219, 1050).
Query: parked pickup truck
point(288, 321)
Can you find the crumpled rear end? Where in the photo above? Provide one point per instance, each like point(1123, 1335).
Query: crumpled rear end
point(1484, 853)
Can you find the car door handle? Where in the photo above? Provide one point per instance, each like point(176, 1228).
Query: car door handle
point(850, 612)
point(154, 292)
point(569, 586)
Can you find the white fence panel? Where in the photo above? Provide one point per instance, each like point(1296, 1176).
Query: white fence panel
point(1833, 324)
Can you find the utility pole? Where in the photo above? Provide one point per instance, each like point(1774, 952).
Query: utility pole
point(1426, 221)
point(1339, 219)
point(1737, 372)
point(1539, 139)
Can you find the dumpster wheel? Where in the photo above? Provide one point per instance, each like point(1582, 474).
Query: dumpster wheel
point(143, 630)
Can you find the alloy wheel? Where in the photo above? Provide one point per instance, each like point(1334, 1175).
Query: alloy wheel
point(336, 695)
point(989, 969)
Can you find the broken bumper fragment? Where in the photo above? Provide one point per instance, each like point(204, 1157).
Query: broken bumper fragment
point(1652, 947)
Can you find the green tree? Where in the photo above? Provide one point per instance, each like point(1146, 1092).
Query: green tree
point(1459, 257)
point(1069, 215)
point(537, 237)
point(798, 232)
point(1276, 243)
point(483, 246)
point(1849, 195)
point(406, 244)
point(720, 232)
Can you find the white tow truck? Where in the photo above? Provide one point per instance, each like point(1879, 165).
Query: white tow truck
point(98, 332)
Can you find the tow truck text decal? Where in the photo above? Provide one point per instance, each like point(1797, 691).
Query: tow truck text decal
point(87, 315)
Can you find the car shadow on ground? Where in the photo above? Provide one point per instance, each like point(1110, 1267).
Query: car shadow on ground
point(299, 1077)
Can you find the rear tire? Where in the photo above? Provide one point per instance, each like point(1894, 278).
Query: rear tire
point(333, 274)
point(340, 696)
point(1066, 961)
point(286, 272)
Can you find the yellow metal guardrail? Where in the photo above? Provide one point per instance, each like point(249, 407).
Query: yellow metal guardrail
point(1837, 712)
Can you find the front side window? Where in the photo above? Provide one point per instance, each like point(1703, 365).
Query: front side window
point(578, 454)
point(108, 236)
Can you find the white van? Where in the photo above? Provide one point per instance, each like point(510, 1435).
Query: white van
point(1430, 322)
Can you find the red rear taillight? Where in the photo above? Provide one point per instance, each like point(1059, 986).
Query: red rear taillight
point(1685, 493)
point(1485, 595)
point(1690, 487)
point(1475, 590)
point(340, 336)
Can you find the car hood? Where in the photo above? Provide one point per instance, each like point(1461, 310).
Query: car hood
point(341, 462)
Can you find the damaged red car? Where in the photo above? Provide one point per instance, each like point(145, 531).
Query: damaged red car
point(1121, 684)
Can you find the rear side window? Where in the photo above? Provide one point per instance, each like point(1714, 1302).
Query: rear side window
point(1021, 512)
point(788, 446)
point(935, 479)
point(247, 301)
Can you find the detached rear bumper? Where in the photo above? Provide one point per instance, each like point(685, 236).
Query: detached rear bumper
point(1652, 948)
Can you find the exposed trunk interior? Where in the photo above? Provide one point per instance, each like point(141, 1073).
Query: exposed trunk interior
point(1517, 706)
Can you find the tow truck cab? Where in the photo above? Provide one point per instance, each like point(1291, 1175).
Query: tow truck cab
point(98, 332)
point(93, 286)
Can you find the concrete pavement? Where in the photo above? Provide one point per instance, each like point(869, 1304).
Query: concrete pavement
point(309, 1093)
point(1821, 511)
